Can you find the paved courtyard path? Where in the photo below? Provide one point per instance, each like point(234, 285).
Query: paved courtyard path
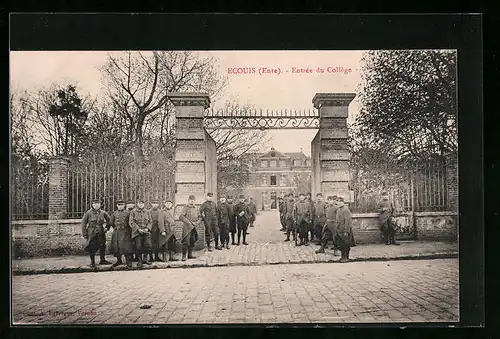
point(397, 291)
point(266, 246)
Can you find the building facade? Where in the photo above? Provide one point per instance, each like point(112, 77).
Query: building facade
point(274, 174)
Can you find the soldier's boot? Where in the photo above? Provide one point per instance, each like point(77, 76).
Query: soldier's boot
point(92, 260)
point(227, 244)
point(157, 256)
point(287, 236)
point(387, 240)
point(145, 259)
point(294, 233)
point(128, 260)
point(239, 238)
point(232, 238)
point(347, 254)
point(393, 241)
point(216, 240)
point(171, 256)
point(335, 253)
point(321, 249)
point(118, 261)
point(190, 254)
point(244, 239)
point(184, 250)
point(306, 239)
point(209, 247)
point(343, 257)
point(139, 259)
point(150, 254)
point(102, 255)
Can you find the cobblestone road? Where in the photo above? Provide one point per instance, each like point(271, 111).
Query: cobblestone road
point(398, 291)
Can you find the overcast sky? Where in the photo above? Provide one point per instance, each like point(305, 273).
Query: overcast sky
point(30, 70)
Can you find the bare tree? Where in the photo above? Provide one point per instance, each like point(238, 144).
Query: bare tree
point(138, 84)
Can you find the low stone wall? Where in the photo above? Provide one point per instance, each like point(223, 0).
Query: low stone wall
point(43, 238)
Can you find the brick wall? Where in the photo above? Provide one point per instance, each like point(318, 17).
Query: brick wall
point(452, 181)
point(58, 188)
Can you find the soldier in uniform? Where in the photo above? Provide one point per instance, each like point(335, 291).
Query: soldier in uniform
point(253, 212)
point(223, 219)
point(329, 228)
point(281, 209)
point(310, 233)
point(232, 219)
point(344, 238)
point(242, 213)
point(94, 232)
point(387, 224)
point(140, 223)
point(319, 217)
point(130, 206)
point(166, 223)
point(208, 211)
point(121, 239)
point(190, 216)
point(157, 239)
point(289, 217)
point(303, 214)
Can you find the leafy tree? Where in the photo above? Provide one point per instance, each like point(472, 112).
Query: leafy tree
point(408, 103)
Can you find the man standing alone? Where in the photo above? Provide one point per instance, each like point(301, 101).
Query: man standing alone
point(253, 212)
point(387, 225)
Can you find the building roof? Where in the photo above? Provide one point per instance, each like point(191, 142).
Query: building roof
point(292, 155)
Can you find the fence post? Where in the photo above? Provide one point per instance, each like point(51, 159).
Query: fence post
point(413, 221)
point(58, 187)
point(452, 181)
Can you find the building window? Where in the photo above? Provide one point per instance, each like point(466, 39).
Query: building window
point(282, 163)
point(272, 163)
point(296, 162)
point(264, 181)
point(283, 180)
point(273, 180)
point(263, 163)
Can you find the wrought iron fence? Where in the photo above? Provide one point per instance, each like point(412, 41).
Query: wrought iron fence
point(422, 189)
point(29, 192)
point(111, 184)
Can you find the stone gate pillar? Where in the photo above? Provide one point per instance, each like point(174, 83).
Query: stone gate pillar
point(334, 155)
point(58, 188)
point(192, 153)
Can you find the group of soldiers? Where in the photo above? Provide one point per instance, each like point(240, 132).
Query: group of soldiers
point(139, 232)
point(307, 220)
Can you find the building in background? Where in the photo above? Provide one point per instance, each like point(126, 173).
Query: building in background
point(274, 174)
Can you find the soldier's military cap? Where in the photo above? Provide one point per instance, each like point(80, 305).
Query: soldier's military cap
point(334, 197)
point(192, 197)
point(301, 194)
point(155, 201)
point(169, 200)
point(340, 199)
point(210, 194)
point(229, 197)
point(384, 193)
point(319, 195)
point(242, 196)
point(140, 200)
point(130, 202)
point(96, 200)
point(120, 201)
point(331, 197)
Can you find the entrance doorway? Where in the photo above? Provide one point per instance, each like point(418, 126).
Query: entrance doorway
point(273, 200)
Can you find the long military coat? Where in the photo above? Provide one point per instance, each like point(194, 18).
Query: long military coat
point(302, 211)
point(156, 229)
point(232, 217)
point(121, 239)
point(93, 229)
point(386, 210)
point(344, 235)
point(166, 223)
point(223, 214)
point(139, 219)
point(319, 213)
point(242, 214)
point(190, 217)
point(289, 210)
point(253, 211)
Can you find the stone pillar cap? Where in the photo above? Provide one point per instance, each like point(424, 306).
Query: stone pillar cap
point(189, 99)
point(332, 99)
